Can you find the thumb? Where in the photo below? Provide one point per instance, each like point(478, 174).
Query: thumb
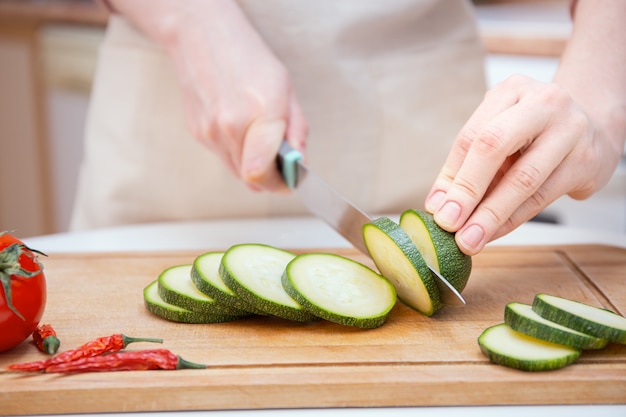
point(258, 160)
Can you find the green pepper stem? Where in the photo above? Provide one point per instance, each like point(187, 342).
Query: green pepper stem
point(126, 340)
point(185, 364)
point(51, 345)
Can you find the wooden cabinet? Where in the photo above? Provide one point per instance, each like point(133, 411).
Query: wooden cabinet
point(24, 191)
point(31, 195)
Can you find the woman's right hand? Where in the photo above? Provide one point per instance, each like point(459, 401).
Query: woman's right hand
point(238, 97)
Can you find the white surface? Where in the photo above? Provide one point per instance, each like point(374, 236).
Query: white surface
point(312, 233)
point(543, 19)
point(293, 232)
point(498, 67)
point(492, 411)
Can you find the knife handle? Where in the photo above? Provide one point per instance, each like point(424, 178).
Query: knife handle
point(286, 161)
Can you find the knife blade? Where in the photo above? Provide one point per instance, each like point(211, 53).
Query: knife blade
point(326, 203)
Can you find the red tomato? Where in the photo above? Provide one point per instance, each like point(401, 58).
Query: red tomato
point(23, 274)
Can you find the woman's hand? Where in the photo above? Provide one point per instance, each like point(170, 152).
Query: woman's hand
point(528, 143)
point(238, 96)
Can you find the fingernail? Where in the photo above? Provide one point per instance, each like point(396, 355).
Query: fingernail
point(251, 176)
point(253, 170)
point(472, 237)
point(434, 201)
point(448, 215)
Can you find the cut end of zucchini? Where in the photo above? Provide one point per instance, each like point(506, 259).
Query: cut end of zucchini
point(437, 246)
point(507, 347)
point(339, 289)
point(595, 321)
point(398, 259)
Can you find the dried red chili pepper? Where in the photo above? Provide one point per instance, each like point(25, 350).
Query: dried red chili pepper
point(46, 340)
point(126, 361)
point(96, 347)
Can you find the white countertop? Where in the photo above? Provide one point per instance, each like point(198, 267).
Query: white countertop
point(290, 232)
point(305, 232)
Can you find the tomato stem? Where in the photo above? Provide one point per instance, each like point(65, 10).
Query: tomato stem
point(10, 266)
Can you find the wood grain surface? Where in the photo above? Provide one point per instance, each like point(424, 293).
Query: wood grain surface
point(263, 362)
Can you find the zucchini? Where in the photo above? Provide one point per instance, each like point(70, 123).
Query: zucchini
point(398, 259)
point(585, 318)
point(157, 306)
point(521, 317)
point(339, 289)
point(254, 272)
point(437, 246)
point(507, 347)
point(206, 277)
point(177, 288)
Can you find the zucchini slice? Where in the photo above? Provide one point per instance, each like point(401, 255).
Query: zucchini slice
point(521, 317)
point(585, 318)
point(437, 246)
point(177, 288)
point(339, 289)
point(157, 306)
point(507, 347)
point(206, 277)
point(254, 272)
point(398, 259)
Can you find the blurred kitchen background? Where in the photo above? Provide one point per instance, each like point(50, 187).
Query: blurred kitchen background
point(48, 52)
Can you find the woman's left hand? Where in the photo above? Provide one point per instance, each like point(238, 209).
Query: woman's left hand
point(527, 144)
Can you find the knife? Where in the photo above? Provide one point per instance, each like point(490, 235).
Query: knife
point(326, 203)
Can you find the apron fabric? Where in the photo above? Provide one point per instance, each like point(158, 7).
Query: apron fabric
point(385, 87)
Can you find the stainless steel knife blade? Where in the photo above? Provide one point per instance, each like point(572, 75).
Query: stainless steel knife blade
point(449, 295)
point(326, 203)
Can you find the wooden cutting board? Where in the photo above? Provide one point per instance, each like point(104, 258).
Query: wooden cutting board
point(265, 362)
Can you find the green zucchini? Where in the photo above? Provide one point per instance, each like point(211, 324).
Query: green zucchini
point(398, 259)
point(206, 277)
point(507, 347)
point(521, 317)
point(598, 322)
point(157, 306)
point(339, 289)
point(177, 288)
point(437, 246)
point(254, 272)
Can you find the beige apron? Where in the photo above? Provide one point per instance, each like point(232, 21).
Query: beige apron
point(385, 86)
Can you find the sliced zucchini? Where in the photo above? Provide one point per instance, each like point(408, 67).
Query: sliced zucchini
point(437, 246)
point(339, 289)
point(398, 259)
point(176, 287)
point(157, 306)
point(521, 317)
point(585, 318)
point(507, 347)
point(254, 272)
point(206, 277)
